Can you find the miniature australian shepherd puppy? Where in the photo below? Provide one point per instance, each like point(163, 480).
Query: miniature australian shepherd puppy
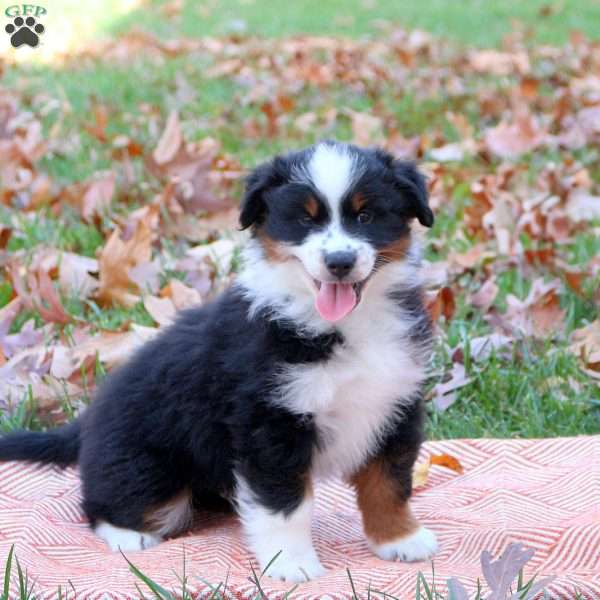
point(311, 365)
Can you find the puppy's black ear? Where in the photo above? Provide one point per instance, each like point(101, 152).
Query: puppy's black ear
point(406, 177)
point(253, 207)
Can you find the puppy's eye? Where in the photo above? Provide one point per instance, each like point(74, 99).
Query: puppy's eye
point(306, 220)
point(364, 217)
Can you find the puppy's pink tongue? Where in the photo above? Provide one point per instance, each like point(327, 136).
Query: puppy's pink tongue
point(335, 300)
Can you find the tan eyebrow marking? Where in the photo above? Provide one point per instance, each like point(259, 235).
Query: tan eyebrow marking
point(358, 201)
point(312, 206)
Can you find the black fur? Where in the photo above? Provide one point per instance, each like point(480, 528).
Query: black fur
point(394, 190)
point(194, 407)
point(400, 449)
point(59, 446)
point(190, 407)
point(411, 301)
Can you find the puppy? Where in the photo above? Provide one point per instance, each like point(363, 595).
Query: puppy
point(310, 365)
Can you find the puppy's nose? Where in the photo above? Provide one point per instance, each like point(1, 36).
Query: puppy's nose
point(340, 263)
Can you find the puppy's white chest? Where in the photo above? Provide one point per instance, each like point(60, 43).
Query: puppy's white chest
point(354, 396)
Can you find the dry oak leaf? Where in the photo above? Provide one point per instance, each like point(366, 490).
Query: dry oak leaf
point(112, 348)
point(74, 274)
point(366, 128)
point(444, 394)
point(421, 470)
point(484, 297)
point(456, 151)
point(448, 461)
point(440, 302)
point(540, 314)
point(499, 63)
point(39, 293)
point(482, 347)
point(582, 206)
point(162, 310)
point(170, 141)
point(510, 140)
point(98, 196)
point(182, 296)
point(115, 261)
point(459, 262)
point(190, 170)
point(586, 345)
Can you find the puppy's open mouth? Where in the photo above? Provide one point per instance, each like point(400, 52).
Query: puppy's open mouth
point(337, 299)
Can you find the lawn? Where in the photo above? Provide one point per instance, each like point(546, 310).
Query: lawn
point(124, 138)
point(513, 261)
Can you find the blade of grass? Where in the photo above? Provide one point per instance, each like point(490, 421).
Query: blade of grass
point(7, 572)
point(354, 594)
point(160, 592)
point(256, 580)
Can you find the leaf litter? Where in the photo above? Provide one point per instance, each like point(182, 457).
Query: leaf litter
point(512, 165)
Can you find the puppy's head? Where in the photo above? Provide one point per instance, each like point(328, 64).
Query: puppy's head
point(338, 210)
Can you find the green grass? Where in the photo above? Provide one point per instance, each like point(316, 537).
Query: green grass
point(507, 397)
point(21, 586)
point(478, 22)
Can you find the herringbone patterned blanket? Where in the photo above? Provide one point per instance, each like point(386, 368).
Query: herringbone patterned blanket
point(544, 493)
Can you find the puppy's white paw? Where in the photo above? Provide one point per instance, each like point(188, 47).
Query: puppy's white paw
point(420, 545)
point(126, 540)
point(295, 568)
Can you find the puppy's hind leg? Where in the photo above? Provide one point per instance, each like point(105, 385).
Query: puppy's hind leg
point(126, 540)
point(161, 521)
point(133, 498)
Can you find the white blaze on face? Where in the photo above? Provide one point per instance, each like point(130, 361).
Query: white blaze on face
point(332, 170)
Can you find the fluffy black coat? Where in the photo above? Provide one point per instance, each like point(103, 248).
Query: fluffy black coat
point(188, 408)
point(194, 408)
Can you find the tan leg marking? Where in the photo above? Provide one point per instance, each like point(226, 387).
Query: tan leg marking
point(386, 515)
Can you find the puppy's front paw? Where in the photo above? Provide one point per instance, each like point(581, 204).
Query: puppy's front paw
point(420, 545)
point(294, 568)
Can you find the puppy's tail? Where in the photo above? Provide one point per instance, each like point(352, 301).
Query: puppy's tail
point(59, 446)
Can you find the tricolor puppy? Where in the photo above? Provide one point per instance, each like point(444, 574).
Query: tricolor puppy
point(311, 365)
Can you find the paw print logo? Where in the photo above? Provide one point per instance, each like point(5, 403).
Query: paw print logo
point(24, 31)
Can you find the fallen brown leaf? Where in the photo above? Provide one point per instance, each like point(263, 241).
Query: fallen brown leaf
point(440, 302)
point(116, 259)
point(162, 310)
point(421, 474)
point(499, 63)
point(367, 129)
point(170, 141)
point(183, 296)
point(510, 140)
point(38, 293)
point(421, 470)
point(98, 196)
point(540, 314)
point(485, 296)
point(444, 394)
point(585, 344)
point(445, 460)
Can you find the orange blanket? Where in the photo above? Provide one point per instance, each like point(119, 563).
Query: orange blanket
point(544, 493)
